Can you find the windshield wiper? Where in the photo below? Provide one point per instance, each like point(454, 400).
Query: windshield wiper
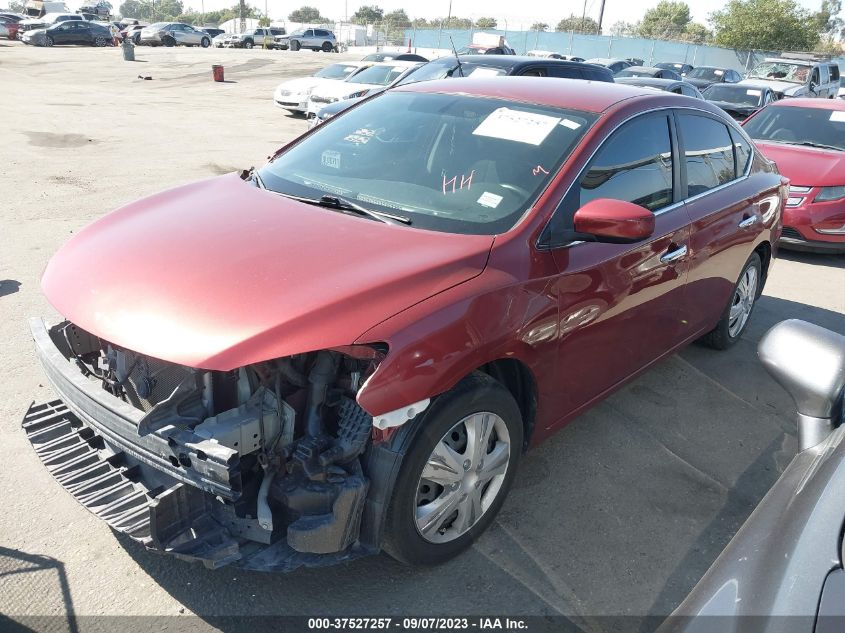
point(811, 144)
point(342, 204)
point(336, 202)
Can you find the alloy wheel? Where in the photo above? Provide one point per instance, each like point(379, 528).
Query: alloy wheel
point(462, 477)
point(743, 301)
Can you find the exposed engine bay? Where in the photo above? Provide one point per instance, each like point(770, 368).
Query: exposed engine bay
point(276, 446)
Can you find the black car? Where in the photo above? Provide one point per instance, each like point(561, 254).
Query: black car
point(393, 57)
point(740, 101)
point(70, 32)
point(213, 32)
point(480, 49)
point(703, 76)
point(481, 65)
point(667, 85)
point(649, 71)
point(682, 68)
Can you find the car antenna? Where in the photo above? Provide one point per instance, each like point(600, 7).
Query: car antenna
point(457, 57)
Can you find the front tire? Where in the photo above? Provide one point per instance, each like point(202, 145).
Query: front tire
point(205, 42)
point(456, 473)
point(99, 41)
point(48, 41)
point(738, 311)
point(295, 45)
point(169, 41)
point(248, 44)
point(327, 47)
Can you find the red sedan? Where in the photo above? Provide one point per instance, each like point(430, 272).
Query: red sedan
point(806, 138)
point(350, 348)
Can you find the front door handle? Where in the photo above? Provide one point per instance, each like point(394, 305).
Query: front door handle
point(750, 221)
point(673, 256)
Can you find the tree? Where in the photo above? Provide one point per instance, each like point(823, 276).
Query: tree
point(486, 23)
point(16, 6)
point(770, 25)
point(577, 24)
point(398, 19)
point(696, 33)
point(539, 26)
point(830, 25)
point(169, 9)
point(420, 23)
point(305, 15)
point(623, 29)
point(668, 20)
point(368, 14)
point(453, 23)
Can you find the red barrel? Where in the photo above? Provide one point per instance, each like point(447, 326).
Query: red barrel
point(217, 72)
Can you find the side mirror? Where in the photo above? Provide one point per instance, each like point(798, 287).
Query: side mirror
point(812, 86)
point(614, 221)
point(809, 362)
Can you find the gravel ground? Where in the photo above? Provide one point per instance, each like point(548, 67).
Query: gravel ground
point(617, 515)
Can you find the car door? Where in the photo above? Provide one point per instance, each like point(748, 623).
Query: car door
point(620, 303)
point(61, 34)
point(192, 36)
point(308, 38)
point(725, 208)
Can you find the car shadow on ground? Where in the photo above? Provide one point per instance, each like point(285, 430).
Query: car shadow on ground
point(9, 286)
point(620, 513)
point(815, 259)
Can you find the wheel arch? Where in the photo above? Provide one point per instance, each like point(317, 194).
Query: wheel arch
point(764, 250)
point(519, 380)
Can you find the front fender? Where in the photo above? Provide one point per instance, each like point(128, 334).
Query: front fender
point(437, 342)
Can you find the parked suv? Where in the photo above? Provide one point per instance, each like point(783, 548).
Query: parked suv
point(256, 37)
point(315, 39)
point(174, 34)
point(797, 77)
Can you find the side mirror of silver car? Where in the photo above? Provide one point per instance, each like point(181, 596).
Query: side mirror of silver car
point(809, 362)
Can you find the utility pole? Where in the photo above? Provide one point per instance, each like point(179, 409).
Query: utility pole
point(242, 12)
point(601, 17)
point(583, 17)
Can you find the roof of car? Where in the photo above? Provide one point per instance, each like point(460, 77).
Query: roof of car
point(655, 82)
point(606, 60)
point(505, 61)
point(560, 93)
point(648, 69)
point(820, 104)
point(395, 63)
point(712, 68)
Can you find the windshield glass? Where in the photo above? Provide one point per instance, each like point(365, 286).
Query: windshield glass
point(337, 71)
point(740, 95)
point(710, 74)
point(782, 71)
point(450, 163)
point(787, 124)
point(157, 25)
point(379, 75)
point(299, 32)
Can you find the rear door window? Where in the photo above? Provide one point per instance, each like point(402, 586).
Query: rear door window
point(707, 153)
point(742, 153)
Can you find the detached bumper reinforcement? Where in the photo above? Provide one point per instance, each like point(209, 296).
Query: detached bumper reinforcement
point(162, 514)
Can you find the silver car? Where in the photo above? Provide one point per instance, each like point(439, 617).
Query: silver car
point(174, 34)
point(315, 39)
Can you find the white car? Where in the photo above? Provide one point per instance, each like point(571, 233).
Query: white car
point(377, 76)
point(293, 95)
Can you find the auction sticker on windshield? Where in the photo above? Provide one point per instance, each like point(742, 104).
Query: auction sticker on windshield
point(837, 116)
point(517, 125)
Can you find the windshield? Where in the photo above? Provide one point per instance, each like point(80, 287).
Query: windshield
point(740, 95)
point(337, 71)
point(669, 66)
point(299, 32)
point(379, 75)
point(450, 163)
point(710, 74)
point(782, 71)
point(157, 25)
point(787, 124)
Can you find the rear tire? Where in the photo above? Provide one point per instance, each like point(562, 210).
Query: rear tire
point(738, 311)
point(430, 520)
point(295, 45)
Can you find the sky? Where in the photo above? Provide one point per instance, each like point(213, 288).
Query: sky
point(523, 13)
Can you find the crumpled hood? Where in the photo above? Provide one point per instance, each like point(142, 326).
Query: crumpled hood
point(785, 87)
point(219, 274)
point(806, 166)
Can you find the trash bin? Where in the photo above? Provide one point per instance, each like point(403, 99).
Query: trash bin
point(128, 50)
point(217, 72)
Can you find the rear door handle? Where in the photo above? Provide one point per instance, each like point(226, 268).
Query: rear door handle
point(673, 256)
point(750, 221)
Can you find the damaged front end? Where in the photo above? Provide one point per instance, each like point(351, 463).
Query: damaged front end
point(265, 466)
